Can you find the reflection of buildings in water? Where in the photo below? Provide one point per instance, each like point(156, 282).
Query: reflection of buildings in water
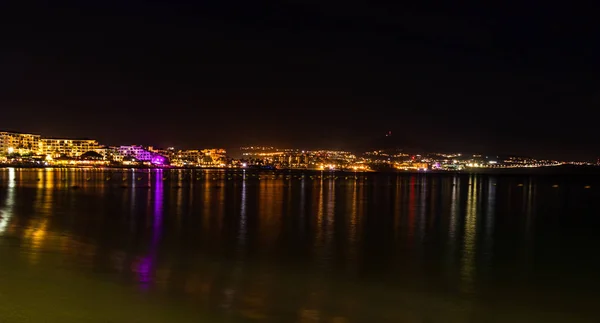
point(431, 203)
point(207, 202)
point(221, 199)
point(270, 204)
point(302, 215)
point(488, 238)
point(176, 197)
point(319, 214)
point(397, 206)
point(412, 209)
point(315, 285)
point(330, 220)
point(231, 291)
point(179, 205)
point(46, 177)
point(44, 198)
point(423, 205)
point(243, 216)
point(37, 231)
point(132, 201)
point(326, 215)
point(149, 208)
point(158, 208)
point(323, 245)
point(353, 227)
point(143, 266)
point(529, 205)
point(527, 247)
point(453, 226)
point(470, 235)
point(7, 210)
point(454, 210)
point(191, 194)
point(288, 207)
point(324, 227)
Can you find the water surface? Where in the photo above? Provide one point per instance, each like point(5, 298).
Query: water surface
point(234, 246)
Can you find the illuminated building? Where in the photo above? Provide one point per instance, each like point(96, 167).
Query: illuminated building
point(67, 147)
point(412, 166)
point(214, 157)
point(170, 152)
point(21, 143)
point(142, 154)
point(193, 156)
point(280, 158)
point(203, 157)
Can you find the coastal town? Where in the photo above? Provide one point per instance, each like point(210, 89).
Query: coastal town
point(35, 150)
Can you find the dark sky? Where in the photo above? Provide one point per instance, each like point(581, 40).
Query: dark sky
point(315, 74)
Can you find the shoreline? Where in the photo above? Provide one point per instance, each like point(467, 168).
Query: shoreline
point(544, 170)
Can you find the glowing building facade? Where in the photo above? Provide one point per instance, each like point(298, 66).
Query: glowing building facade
point(214, 157)
point(142, 154)
point(67, 147)
point(21, 143)
point(204, 158)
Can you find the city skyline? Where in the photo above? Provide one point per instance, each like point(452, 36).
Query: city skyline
point(300, 73)
point(35, 144)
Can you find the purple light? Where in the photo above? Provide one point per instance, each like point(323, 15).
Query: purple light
point(158, 160)
point(145, 266)
point(141, 154)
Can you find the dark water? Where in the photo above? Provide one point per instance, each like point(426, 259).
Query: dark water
point(216, 246)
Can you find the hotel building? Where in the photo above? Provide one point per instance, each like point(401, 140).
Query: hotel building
point(21, 143)
point(67, 147)
point(142, 154)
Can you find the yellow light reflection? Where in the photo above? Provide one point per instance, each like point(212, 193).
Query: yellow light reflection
point(206, 200)
point(454, 206)
point(398, 207)
point(353, 228)
point(243, 215)
point(48, 178)
point(330, 220)
point(220, 213)
point(319, 224)
point(36, 233)
point(270, 203)
point(179, 197)
point(490, 218)
point(453, 222)
point(528, 204)
point(469, 247)
point(423, 207)
point(7, 210)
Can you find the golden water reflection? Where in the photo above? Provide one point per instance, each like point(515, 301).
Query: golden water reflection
point(279, 248)
point(6, 211)
point(469, 246)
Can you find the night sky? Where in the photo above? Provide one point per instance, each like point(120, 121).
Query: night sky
point(512, 79)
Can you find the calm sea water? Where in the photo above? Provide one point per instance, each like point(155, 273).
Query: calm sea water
point(223, 246)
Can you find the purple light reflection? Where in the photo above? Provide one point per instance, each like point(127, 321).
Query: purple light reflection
point(158, 207)
point(144, 266)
